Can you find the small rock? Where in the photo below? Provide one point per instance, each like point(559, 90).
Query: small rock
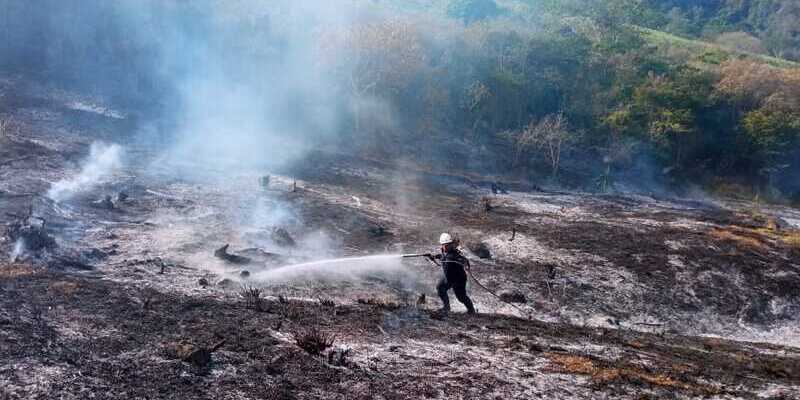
point(199, 357)
point(105, 202)
point(534, 347)
point(513, 297)
point(244, 274)
point(95, 254)
point(203, 282)
point(378, 231)
point(481, 250)
point(515, 342)
point(226, 284)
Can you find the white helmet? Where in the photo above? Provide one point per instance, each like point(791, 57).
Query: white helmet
point(445, 238)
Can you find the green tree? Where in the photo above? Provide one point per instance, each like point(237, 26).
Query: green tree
point(663, 111)
point(678, 22)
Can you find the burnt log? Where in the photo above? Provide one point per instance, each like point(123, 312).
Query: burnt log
point(222, 253)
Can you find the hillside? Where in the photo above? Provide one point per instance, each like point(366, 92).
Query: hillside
point(709, 53)
point(623, 296)
point(275, 200)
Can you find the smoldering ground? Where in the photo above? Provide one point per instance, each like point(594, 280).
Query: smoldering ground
point(101, 163)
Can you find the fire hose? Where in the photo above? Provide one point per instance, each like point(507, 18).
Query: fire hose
point(430, 259)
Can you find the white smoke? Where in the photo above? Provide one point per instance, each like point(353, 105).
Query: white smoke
point(19, 249)
point(103, 161)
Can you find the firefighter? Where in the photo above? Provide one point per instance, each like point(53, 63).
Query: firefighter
point(455, 267)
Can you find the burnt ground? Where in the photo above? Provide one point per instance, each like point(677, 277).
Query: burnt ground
point(625, 296)
point(77, 336)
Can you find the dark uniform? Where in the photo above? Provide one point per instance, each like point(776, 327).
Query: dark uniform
point(455, 277)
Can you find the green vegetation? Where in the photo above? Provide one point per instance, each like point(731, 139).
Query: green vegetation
point(594, 94)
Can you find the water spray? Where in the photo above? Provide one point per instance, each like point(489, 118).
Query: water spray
point(310, 267)
point(361, 264)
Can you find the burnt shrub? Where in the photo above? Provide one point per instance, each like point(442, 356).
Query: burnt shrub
point(252, 298)
point(340, 357)
point(327, 302)
point(313, 340)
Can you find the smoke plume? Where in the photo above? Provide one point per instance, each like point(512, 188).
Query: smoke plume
point(102, 162)
point(17, 251)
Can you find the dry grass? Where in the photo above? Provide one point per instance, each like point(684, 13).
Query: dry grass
point(740, 238)
point(62, 288)
point(792, 239)
point(252, 298)
point(380, 302)
point(602, 372)
point(10, 271)
point(758, 238)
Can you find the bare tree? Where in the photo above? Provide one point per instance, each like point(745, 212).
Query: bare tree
point(550, 136)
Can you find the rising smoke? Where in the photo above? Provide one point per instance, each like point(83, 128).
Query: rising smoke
point(17, 251)
point(101, 164)
point(228, 82)
point(246, 77)
point(225, 83)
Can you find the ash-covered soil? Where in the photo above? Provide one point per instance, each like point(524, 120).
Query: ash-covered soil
point(625, 296)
